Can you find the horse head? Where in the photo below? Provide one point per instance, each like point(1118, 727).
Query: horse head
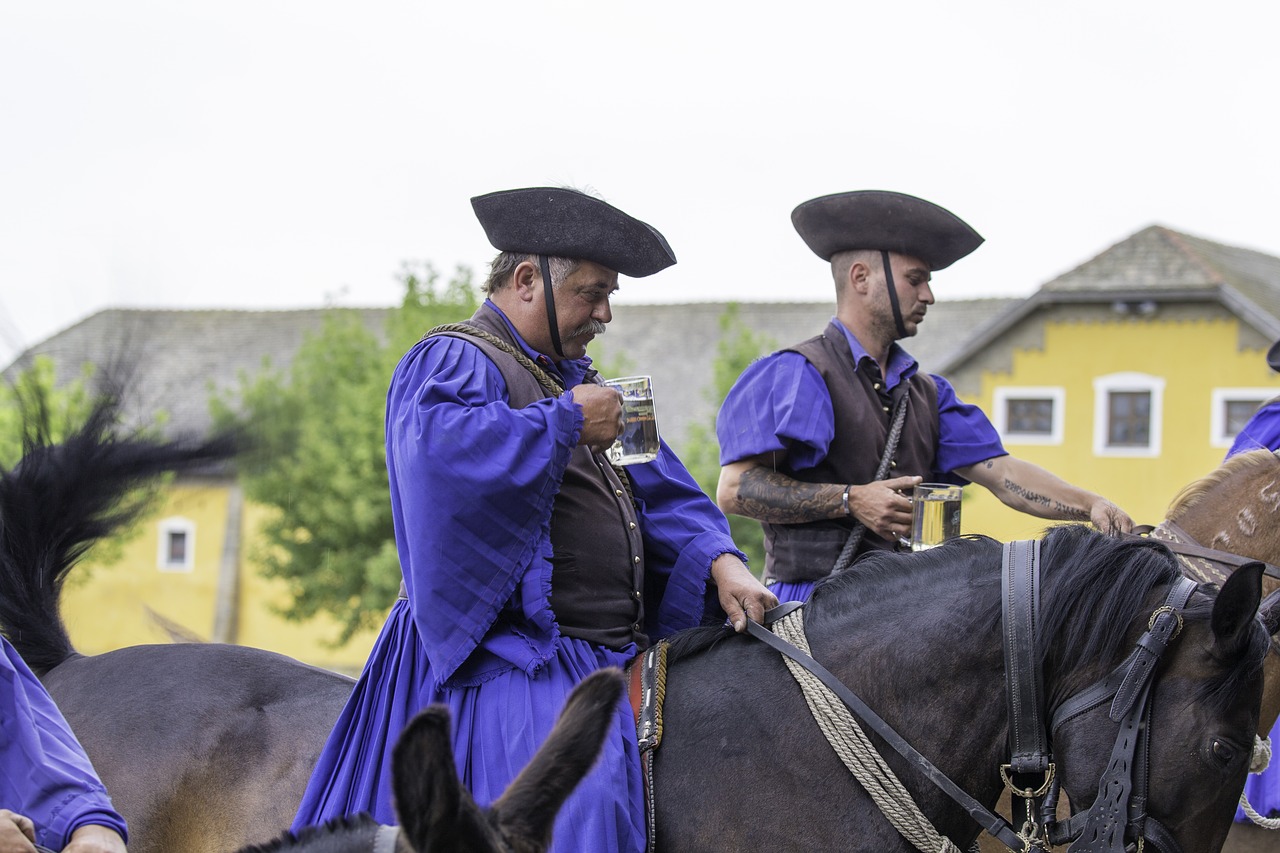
point(438, 815)
point(1170, 769)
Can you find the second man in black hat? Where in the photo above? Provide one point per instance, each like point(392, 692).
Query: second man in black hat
point(804, 432)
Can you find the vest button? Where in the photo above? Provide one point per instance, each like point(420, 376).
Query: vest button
point(893, 463)
point(631, 525)
point(876, 386)
point(886, 408)
point(636, 559)
point(618, 492)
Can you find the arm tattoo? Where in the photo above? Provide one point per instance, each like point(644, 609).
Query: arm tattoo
point(1026, 494)
point(768, 495)
point(1057, 507)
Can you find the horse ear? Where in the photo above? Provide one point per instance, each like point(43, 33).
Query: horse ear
point(436, 813)
point(1269, 612)
point(527, 809)
point(1235, 607)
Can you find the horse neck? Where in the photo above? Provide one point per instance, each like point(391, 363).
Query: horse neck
point(923, 650)
point(1236, 514)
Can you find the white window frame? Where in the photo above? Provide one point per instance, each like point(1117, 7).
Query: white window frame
point(1217, 410)
point(1103, 387)
point(168, 527)
point(1004, 393)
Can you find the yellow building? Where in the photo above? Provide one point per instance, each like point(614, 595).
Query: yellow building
point(1129, 375)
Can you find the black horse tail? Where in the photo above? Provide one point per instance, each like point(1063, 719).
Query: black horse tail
point(61, 498)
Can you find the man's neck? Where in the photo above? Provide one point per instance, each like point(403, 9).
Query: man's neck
point(874, 341)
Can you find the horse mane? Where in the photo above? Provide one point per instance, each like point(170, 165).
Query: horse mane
point(339, 830)
point(1092, 588)
point(1193, 493)
point(61, 498)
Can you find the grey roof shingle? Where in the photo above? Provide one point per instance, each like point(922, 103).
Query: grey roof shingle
point(178, 357)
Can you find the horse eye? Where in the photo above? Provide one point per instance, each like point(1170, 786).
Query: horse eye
point(1223, 751)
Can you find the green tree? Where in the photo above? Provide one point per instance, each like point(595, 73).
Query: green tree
point(35, 410)
point(32, 401)
point(318, 460)
point(738, 347)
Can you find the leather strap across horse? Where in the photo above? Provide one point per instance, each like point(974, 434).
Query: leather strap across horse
point(1122, 790)
point(984, 817)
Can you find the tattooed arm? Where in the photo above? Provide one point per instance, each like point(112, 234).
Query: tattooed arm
point(1029, 488)
point(755, 488)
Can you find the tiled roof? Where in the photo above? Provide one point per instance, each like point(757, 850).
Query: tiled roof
point(1156, 264)
point(178, 357)
point(172, 360)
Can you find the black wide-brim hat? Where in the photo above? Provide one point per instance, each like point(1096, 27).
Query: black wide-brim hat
point(1273, 357)
point(884, 221)
point(565, 223)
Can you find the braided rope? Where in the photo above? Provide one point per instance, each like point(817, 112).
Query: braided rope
point(1261, 758)
point(856, 751)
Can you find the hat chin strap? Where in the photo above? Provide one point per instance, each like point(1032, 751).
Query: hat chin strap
point(551, 305)
point(893, 294)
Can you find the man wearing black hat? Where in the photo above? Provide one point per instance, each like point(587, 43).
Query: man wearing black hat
point(822, 441)
point(529, 561)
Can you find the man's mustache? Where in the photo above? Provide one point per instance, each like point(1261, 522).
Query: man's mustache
point(593, 327)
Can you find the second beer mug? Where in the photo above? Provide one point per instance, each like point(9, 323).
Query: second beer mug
point(935, 514)
point(638, 441)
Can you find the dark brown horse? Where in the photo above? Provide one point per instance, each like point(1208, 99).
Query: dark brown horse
point(207, 748)
point(437, 814)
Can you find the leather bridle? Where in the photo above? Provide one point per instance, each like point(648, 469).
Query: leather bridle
point(1118, 813)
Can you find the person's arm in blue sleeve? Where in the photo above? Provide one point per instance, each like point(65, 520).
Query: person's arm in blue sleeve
point(687, 543)
point(779, 412)
point(46, 775)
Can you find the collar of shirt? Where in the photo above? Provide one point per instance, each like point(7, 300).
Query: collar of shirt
point(571, 371)
point(902, 365)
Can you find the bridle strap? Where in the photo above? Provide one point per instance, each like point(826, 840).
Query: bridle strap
point(1028, 742)
point(1030, 760)
point(1123, 789)
point(1184, 543)
point(993, 823)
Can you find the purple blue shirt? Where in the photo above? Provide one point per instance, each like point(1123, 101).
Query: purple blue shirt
point(1262, 432)
point(473, 484)
point(44, 772)
point(781, 403)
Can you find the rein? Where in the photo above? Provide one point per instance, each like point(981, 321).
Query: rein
point(1119, 809)
point(1183, 544)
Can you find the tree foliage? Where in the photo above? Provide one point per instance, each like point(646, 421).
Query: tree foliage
point(318, 461)
point(36, 410)
point(738, 347)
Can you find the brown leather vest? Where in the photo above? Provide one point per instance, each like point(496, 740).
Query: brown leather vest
point(863, 412)
point(597, 576)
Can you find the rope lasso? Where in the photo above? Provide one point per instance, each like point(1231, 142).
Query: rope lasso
point(856, 751)
point(1261, 758)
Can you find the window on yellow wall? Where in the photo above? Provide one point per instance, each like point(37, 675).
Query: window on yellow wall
point(1029, 415)
point(176, 552)
point(1230, 409)
point(1128, 411)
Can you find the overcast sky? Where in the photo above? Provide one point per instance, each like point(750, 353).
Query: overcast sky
point(291, 154)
